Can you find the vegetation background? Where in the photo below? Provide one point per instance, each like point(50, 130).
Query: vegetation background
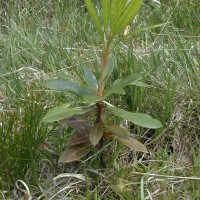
point(52, 39)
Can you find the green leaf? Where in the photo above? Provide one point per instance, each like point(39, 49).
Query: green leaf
point(119, 91)
point(133, 144)
point(90, 78)
point(115, 12)
point(75, 153)
point(92, 99)
point(95, 18)
point(127, 16)
point(106, 12)
point(110, 67)
point(121, 6)
point(121, 83)
point(140, 84)
point(139, 119)
point(62, 112)
point(119, 131)
point(67, 86)
point(96, 133)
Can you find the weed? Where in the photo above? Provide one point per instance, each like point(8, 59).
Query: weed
point(116, 16)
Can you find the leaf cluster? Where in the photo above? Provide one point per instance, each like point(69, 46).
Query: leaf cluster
point(116, 14)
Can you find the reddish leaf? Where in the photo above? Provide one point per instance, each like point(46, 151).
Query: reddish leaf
point(75, 153)
point(133, 144)
point(96, 133)
point(123, 136)
point(78, 139)
point(119, 131)
point(77, 122)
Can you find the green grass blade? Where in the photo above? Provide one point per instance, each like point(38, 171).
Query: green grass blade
point(138, 31)
point(142, 189)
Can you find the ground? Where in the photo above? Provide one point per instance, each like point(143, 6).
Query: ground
point(52, 40)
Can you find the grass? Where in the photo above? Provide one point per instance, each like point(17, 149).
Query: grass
point(48, 40)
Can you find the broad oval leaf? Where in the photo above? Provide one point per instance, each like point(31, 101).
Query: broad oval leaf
point(139, 119)
point(90, 78)
point(140, 84)
point(67, 86)
point(76, 122)
point(96, 133)
point(75, 153)
point(119, 131)
point(121, 83)
point(95, 18)
point(127, 16)
point(110, 66)
point(62, 112)
point(123, 136)
point(77, 140)
point(133, 144)
point(92, 99)
point(119, 91)
point(114, 91)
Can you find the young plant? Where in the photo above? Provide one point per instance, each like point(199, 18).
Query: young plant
point(116, 14)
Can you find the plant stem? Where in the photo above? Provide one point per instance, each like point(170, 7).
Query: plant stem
point(101, 142)
point(99, 112)
point(105, 55)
